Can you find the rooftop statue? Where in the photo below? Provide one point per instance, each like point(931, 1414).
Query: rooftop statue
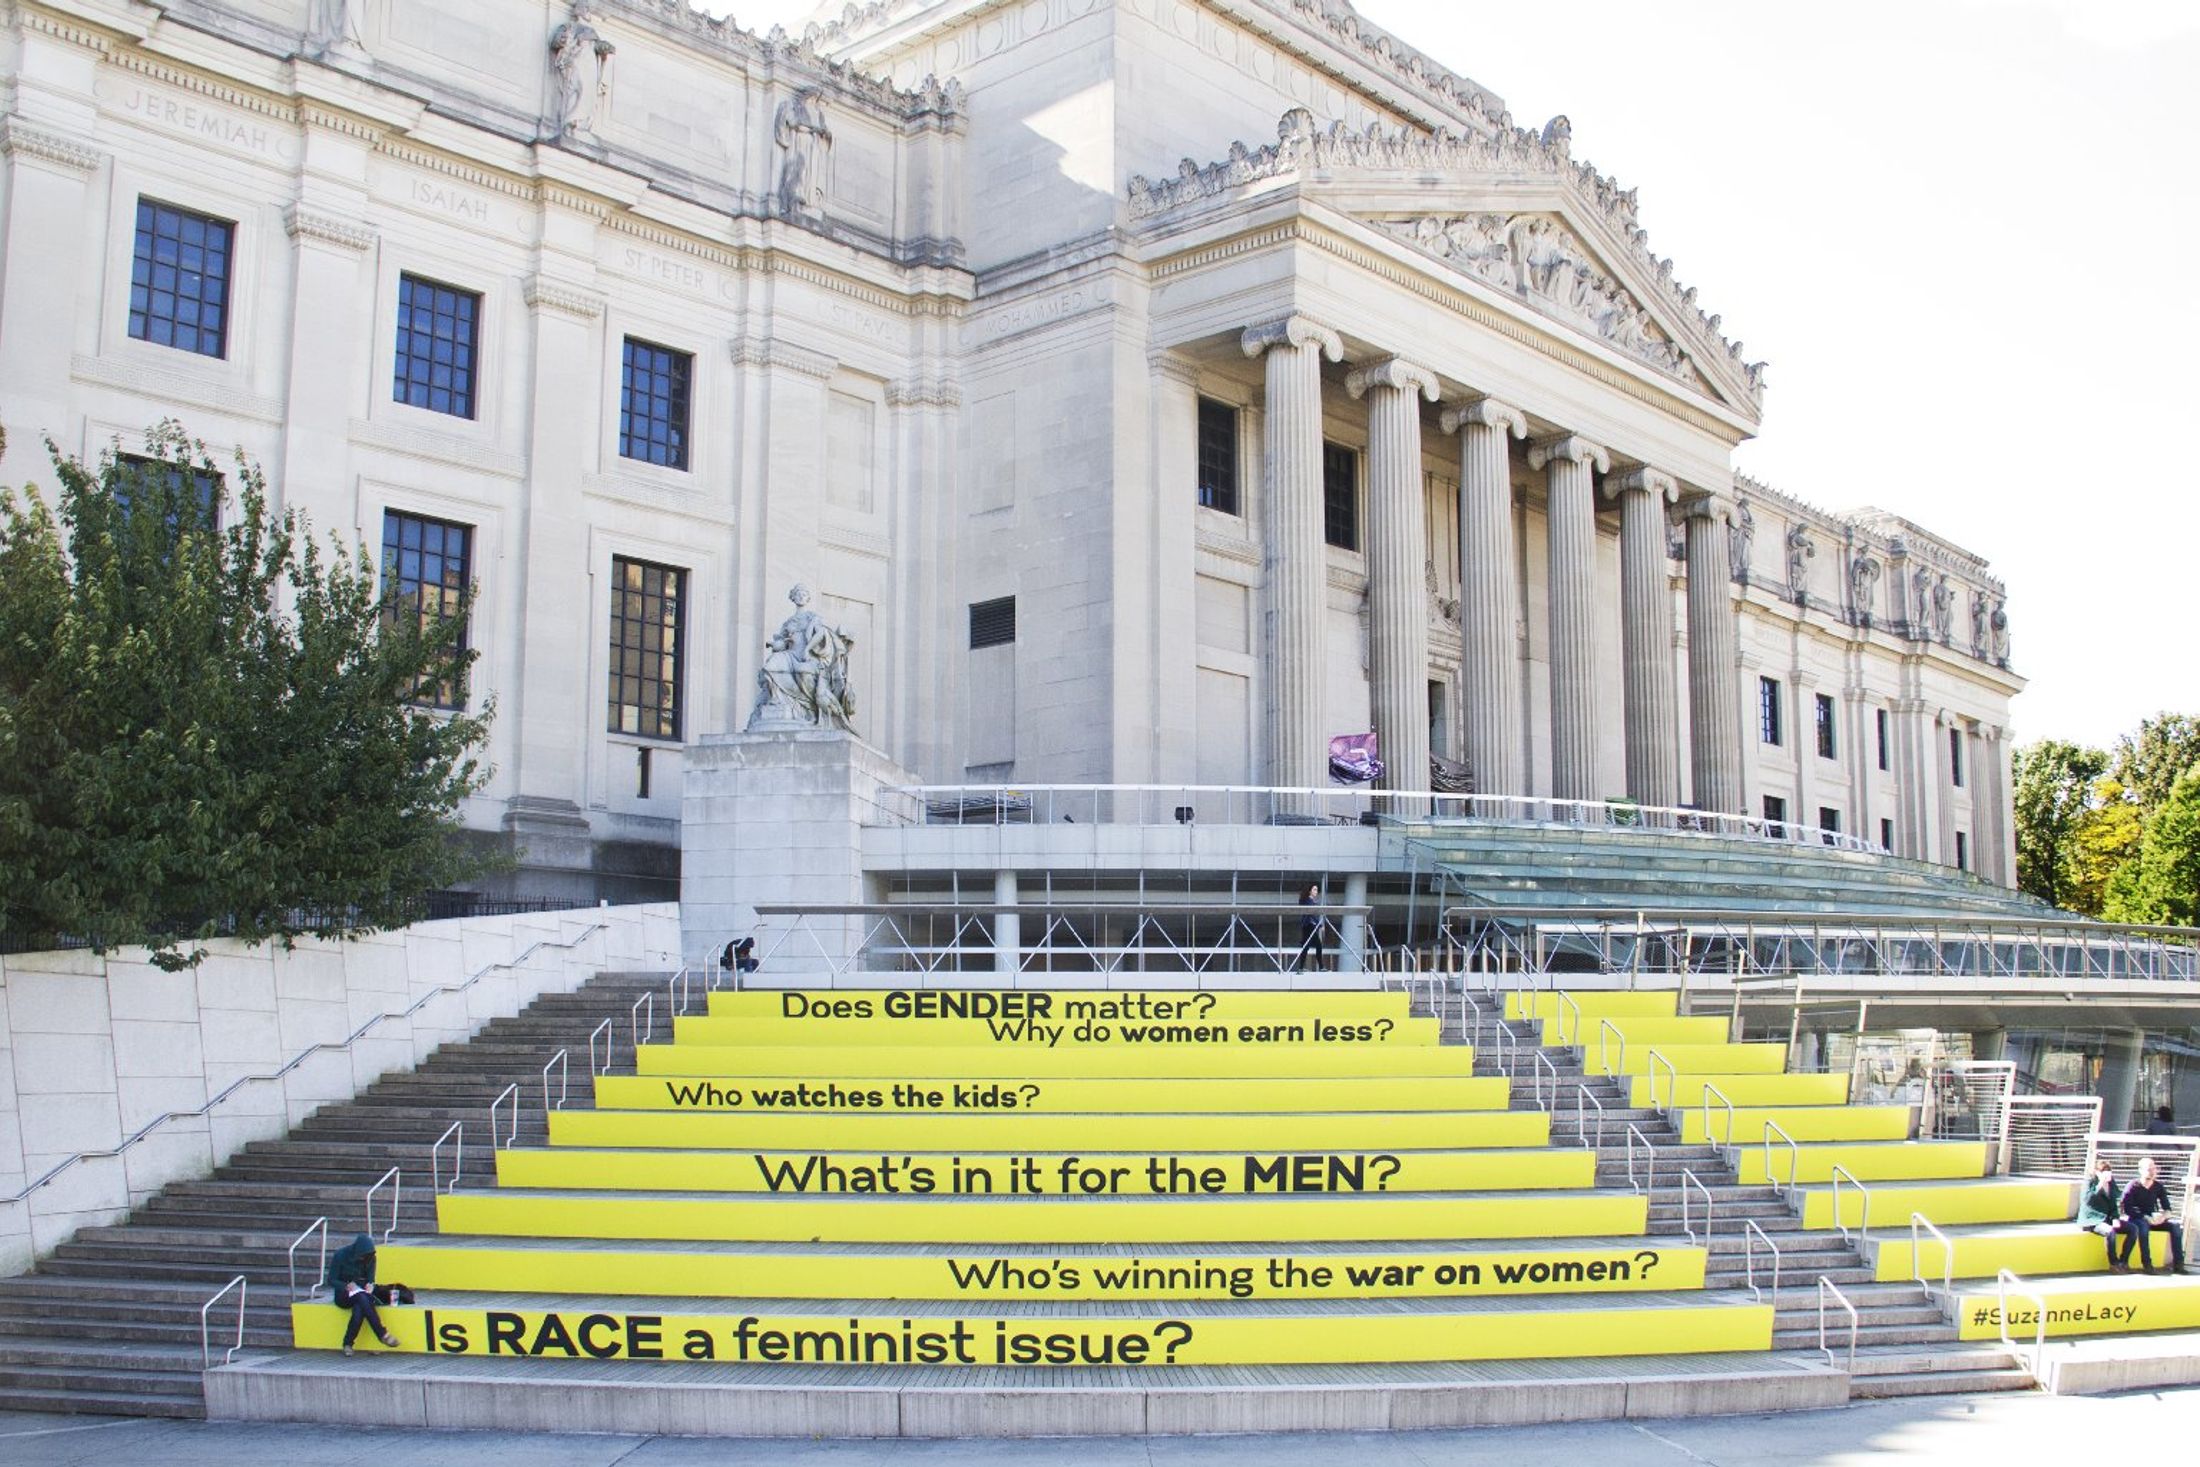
point(804, 680)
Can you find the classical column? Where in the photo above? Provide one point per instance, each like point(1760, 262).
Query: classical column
point(1646, 637)
point(1489, 597)
point(1293, 561)
point(1714, 697)
point(1572, 520)
point(1397, 560)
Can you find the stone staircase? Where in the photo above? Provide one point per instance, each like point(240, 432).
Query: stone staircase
point(109, 1322)
point(1905, 1346)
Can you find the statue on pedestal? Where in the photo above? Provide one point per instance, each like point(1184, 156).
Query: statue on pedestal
point(804, 680)
point(580, 57)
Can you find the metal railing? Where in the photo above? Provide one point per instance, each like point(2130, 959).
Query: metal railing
point(2176, 1159)
point(1690, 1179)
point(1864, 1196)
point(1542, 1069)
point(1606, 1030)
point(511, 1093)
point(1568, 1001)
point(2049, 1134)
point(2004, 1283)
point(602, 1031)
point(1582, 1101)
point(1827, 1287)
point(455, 1133)
point(1752, 1234)
point(206, 1338)
point(1969, 1100)
point(318, 1225)
point(1918, 1227)
point(1795, 1154)
point(396, 1185)
point(562, 1062)
point(646, 1004)
point(1712, 1138)
point(1649, 1180)
point(1672, 1082)
point(47, 1178)
point(680, 992)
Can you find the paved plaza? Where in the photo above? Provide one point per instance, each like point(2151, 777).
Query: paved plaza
point(2004, 1429)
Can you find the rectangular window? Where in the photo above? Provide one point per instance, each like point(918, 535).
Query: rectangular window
point(1218, 456)
point(1825, 726)
point(1880, 717)
point(208, 486)
point(1340, 497)
point(1829, 819)
point(1955, 756)
point(647, 639)
point(179, 279)
point(1768, 710)
point(992, 623)
point(436, 335)
point(1963, 851)
point(1886, 835)
point(1776, 809)
point(653, 404)
point(427, 574)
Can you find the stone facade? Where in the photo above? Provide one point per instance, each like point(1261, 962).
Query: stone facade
point(945, 287)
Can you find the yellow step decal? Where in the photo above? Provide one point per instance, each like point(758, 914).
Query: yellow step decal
point(736, 1130)
point(1037, 1340)
point(1947, 1203)
point(989, 1174)
point(1701, 1059)
point(964, 1223)
point(2109, 1306)
point(1060, 1005)
point(1658, 1088)
point(1703, 1029)
point(1022, 1034)
point(1594, 1004)
point(985, 1097)
point(1984, 1255)
point(1082, 1061)
point(1868, 1162)
point(1456, 1274)
point(1807, 1123)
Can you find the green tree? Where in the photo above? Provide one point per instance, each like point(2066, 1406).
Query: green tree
point(2163, 883)
point(2054, 791)
point(207, 723)
point(2148, 763)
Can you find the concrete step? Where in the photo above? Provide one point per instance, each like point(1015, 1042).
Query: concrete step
point(1905, 1361)
point(83, 1399)
point(1939, 1383)
point(179, 1384)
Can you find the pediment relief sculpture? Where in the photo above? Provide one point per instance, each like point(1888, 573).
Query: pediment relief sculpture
point(1537, 258)
point(1303, 145)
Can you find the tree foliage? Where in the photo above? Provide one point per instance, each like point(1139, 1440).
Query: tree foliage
point(2162, 884)
point(2114, 834)
point(2054, 792)
point(206, 719)
point(2150, 762)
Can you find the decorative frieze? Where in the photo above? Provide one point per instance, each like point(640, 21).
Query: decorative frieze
point(300, 222)
point(20, 139)
point(565, 300)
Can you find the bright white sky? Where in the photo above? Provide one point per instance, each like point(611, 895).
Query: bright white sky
point(1964, 233)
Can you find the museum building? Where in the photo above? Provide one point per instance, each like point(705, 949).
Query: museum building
point(1147, 390)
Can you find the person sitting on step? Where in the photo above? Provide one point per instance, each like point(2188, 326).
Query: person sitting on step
point(2101, 1210)
point(2146, 1209)
point(351, 1287)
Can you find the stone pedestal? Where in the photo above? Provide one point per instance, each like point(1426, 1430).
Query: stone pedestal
point(775, 818)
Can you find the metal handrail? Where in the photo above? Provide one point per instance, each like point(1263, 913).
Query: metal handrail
point(684, 986)
point(1795, 1153)
point(1828, 1286)
point(1709, 1091)
point(1568, 1001)
point(1581, 1117)
point(1864, 1219)
point(562, 1063)
point(296, 1060)
point(1545, 1061)
point(1672, 1083)
point(647, 1001)
point(1751, 1232)
point(457, 1130)
point(2003, 1279)
point(1650, 1166)
point(1690, 1179)
point(1606, 1027)
point(318, 1225)
point(397, 1193)
point(206, 1339)
point(510, 1092)
point(604, 1029)
point(1947, 1257)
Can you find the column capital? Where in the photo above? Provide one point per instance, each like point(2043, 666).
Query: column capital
point(1486, 412)
point(1392, 372)
point(1300, 331)
point(1170, 367)
point(1572, 447)
point(1708, 507)
point(1656, 483)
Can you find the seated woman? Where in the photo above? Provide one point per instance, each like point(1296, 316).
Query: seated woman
point(2100, 1210)
point(351, 1285)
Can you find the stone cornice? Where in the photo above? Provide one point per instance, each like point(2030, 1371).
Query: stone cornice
point(302, 223)
point(1395, 372)
point(565, 300)
point(923, 392)
point(770, 354)
point(18, 137)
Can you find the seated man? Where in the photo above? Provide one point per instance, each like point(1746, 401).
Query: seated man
point(2146, 1208)
point(2100, 1210)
